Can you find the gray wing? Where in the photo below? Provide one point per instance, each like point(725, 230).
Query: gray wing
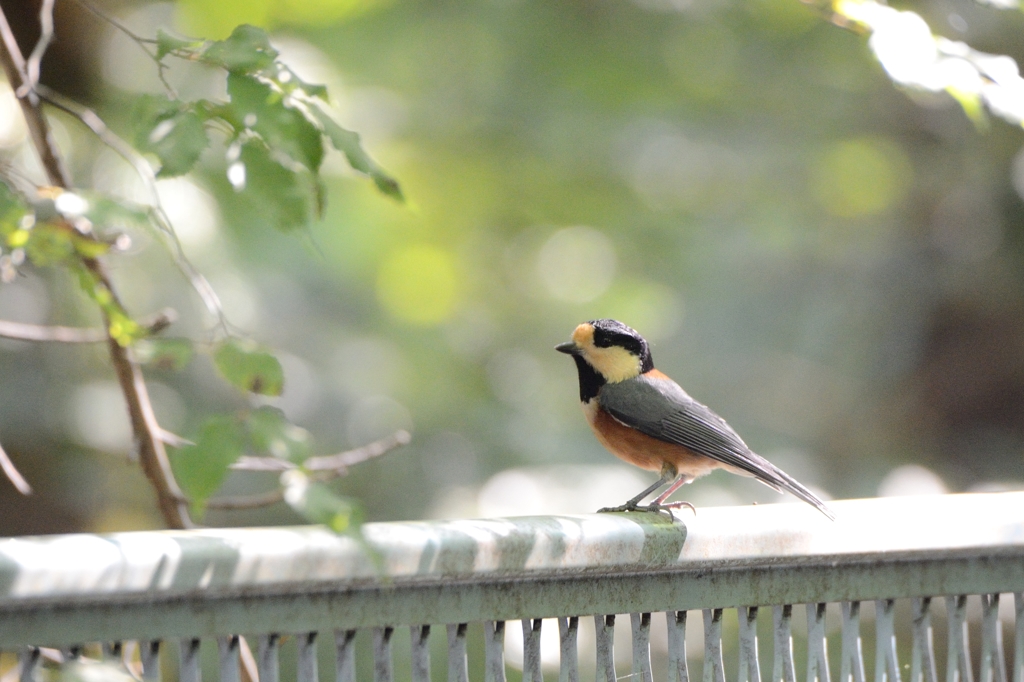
point(661, 409)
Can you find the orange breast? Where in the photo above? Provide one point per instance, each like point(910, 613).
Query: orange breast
point(642, 450)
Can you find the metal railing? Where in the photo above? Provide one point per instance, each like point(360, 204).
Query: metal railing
point(77, 597)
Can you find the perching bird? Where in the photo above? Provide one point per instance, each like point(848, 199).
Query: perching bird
point(648, 420)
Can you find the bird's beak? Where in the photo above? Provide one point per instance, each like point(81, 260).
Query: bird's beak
point(569, 347)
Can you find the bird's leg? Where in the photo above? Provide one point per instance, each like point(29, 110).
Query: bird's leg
point(668, 474)
point(659, 502)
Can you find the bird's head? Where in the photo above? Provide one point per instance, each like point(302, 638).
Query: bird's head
point(606, 351)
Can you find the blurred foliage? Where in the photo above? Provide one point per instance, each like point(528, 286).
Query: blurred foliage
point(832, 262)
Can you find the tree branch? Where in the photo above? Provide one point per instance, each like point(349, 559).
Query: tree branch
point(14, 66)
point(150, 446)
point(247, 501)
point(12, 474)
point(35, 60)
point(22, 331)
point(142, 168)
point(343, 460)
point(322, 468)
point(334, 463)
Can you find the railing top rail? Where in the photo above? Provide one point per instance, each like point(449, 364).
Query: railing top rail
point(185, 561)
point(454, 571)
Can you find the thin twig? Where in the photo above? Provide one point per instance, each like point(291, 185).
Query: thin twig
point(35, 60)
point(247, 501)
point(323, 469)
point(145, 173)
point(339, 462)
point(115, 23)
point(146, 429)
point(12, 474)
point(343, 460)
point(23, 331)
point(137, 39)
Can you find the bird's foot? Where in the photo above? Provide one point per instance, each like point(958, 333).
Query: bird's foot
point(653, 507)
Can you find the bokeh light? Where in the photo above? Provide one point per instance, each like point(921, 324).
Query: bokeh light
point(577, 264)
point(419, 284)
point(861, 176)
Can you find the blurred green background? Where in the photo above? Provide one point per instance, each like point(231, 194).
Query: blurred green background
point(832, 264)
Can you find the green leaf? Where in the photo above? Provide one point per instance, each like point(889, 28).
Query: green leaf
point(319, 504)
point(201, 468)
point(271, 432)
point(249, 367)
point(282, 195)
point(173, 132)
point(169, 354)
point(246, 50)
point(166, 44)
point(261, 108)
point(48, 245)
point(347, 142)
point(289, 82)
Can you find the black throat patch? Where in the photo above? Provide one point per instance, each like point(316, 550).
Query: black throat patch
point(591, 380)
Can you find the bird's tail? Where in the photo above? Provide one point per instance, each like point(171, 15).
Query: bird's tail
point(774, 477)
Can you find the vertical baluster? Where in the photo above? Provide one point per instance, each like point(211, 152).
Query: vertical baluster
point(149, 652)
point(993, 663)
point(887, 665)
point(227, 653)
point(494, 651)
point(817, 644)
point(604, 629)
point(922, 657)
point(750, 666)
point(675, 623)
point(306, 668)
point(112, 650)
point(958, 662)
point(714, 667)
point(419, 637)
point(1018, 638)
point(531, 650)
point(568, 656)
point(28, 660)
point(641, 626)
point(188, 651)
point(852, 668)
point(345, 655)
point(383, 671)
point(783, 667)
point(267, 661)
point(458, 665)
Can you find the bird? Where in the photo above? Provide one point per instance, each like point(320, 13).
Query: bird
point(646, 419)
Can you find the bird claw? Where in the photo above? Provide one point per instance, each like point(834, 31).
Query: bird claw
point(653, 508)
